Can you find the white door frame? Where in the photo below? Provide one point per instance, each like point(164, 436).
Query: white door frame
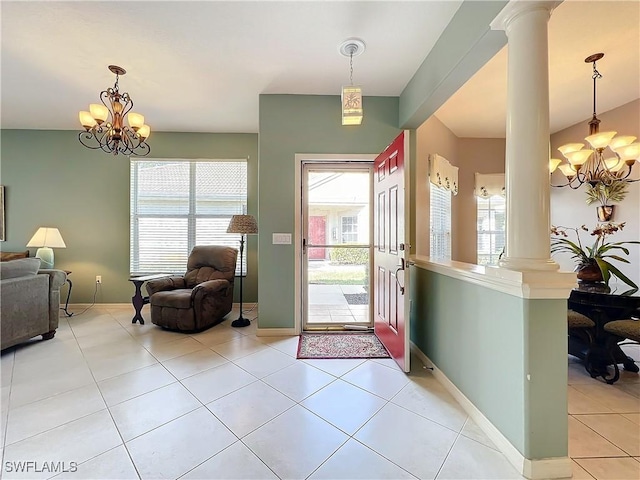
point(297, 222)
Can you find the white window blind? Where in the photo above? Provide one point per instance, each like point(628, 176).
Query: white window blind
point(177, 204)
point(440, 223)
point(491, 229)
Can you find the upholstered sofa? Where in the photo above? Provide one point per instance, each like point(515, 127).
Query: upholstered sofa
point(29, 301)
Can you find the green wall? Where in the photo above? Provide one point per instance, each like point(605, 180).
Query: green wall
point(487, 342)
point(291, 124)
point(50, 179)
point(462, 49)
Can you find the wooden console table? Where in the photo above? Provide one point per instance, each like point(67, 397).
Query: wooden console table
point(138, 299)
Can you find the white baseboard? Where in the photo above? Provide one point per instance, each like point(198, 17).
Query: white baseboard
point(99, 305)
point(559, 467)
point(547, 468)
point(276, 332)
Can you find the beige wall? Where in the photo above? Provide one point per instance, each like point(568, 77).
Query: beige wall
point(568, 207)
point(475, 155)
point(487, 155)
point(470, 155)
point(431, 137)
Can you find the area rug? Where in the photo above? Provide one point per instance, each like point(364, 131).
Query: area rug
point(340, 345)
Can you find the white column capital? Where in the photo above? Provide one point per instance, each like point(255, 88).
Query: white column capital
point(515, 8)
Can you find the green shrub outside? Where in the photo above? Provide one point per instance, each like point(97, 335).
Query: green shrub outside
point(349, 256)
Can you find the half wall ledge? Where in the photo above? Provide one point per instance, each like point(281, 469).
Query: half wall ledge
point(522, 284)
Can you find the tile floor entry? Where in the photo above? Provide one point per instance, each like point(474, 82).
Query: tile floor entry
point(121, 401)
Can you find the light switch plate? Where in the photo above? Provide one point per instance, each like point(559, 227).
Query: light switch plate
point(282, 239)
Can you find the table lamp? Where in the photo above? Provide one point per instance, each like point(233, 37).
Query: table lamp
point(242, 224)
point(45, 239)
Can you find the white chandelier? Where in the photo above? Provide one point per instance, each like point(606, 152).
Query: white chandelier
point(593, 166)
point(104, 124)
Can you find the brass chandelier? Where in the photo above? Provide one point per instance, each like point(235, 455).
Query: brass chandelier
point(104, 124)
point(593, 166)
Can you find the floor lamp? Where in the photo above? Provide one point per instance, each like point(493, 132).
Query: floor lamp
point(244, 225)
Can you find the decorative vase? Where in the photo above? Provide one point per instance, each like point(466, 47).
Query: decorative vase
point(605, 212)
point(589, 273)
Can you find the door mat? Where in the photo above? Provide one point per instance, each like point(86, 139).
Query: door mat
point(340, 345)
point(357, 298)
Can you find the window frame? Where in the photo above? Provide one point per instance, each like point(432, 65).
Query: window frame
point(440, 241)
point(353, 226)
point(491, 208)
point(192, 216)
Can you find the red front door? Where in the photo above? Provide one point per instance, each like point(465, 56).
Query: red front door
point(317, 236)
point(391, 275)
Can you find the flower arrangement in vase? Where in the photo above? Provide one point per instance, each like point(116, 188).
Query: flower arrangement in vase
point(605, 194)
point(594, 262)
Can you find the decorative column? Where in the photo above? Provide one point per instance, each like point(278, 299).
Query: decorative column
point(527, 145)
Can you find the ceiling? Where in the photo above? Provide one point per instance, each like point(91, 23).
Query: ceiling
point(200, 66)
point(577, 29)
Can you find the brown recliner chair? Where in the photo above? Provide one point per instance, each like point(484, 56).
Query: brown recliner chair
point(199, 299)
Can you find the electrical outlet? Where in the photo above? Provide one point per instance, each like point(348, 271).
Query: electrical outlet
point(98, 278)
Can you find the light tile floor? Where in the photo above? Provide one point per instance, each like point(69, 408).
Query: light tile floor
point(328, 304)
point(604, 423)
point(130, 401)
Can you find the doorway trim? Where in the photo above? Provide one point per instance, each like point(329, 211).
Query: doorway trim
point(297, 222)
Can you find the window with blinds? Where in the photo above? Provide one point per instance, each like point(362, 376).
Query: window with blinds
point(440, 223)
point(491, 229)
point(177, 204)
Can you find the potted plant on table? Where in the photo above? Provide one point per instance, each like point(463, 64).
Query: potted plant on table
point(606, 194)
point(594, 262)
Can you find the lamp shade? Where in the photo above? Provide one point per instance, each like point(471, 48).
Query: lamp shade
point(553, 164)
point(144, 131)
point(601, 139)
point(99, 112)
point(567, 170)
point(47, 237)
point(351, 105)
point(629, 152)
point(570, 147)
point(621, 141)
point(245, 224)
point(578, 157)
point(135, 120)
point(613, 164)
point(86, 119)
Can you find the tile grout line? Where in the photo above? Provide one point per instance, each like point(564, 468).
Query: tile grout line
point(115, 425)
point(296, 402)
point(6, 420)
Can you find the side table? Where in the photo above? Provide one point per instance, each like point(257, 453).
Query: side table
point(66, 303)
point(138, 299)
